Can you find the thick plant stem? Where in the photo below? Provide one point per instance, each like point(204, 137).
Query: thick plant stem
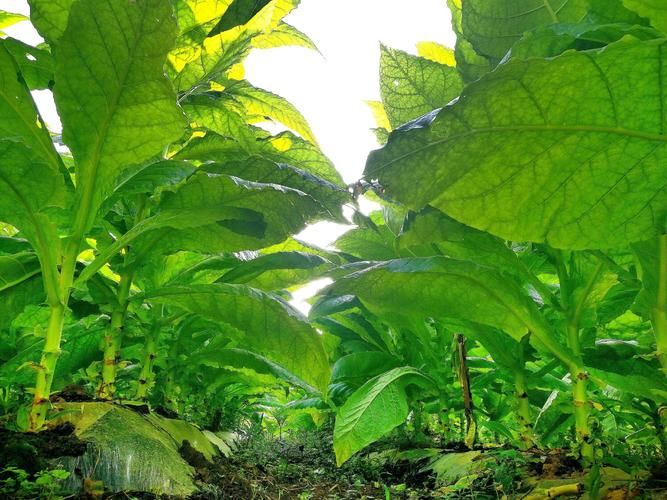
point(464, 379)
point(580, 397)
point(581, 414)
point(113, 339)
point(47, 367)
point(526, 437)
point(660, 307)
point(147, 376)
point(57, 287)
point(114, 335)
point(574, 310)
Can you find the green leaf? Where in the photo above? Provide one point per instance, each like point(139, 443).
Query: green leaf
point(621, 365)
point(267, 213)
point(246, 360)
point(15, 269)
point(284, 35)
point(554, 40)
point(430, 229)
point(210, 62)
point(330, 196)
point(654, 10)
point(282, 148)
point(262, 104)
point(441, 287)
point(197, 18)
point(238, 13)
point(19, 119)
point(492, 26)
point(647, 254)
point(271, 326)
point(117, 107)
point(35, 64)
point(376, 408)
point(15, 299)
point(612, 11)
point(31, 193)
point(148, 179)
point(368, 243)
point(275, 271)
point(412, 86)
point(8, 19)
point(357, 368)
point(222, 115)
point(50, 17)
point(214, 213)
point(554, 150)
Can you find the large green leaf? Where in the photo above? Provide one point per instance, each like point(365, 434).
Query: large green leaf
point(19, 119)
point(330, 196)
point(492, 26)
point(117, 107)
point(32, 193)
point(266, 213)
point(283, 148)
point(412, 86)
point(564, 150)
point(373, 410)
point(270, 325)
point(214, 213)
point(441, 288)
point(470, 64)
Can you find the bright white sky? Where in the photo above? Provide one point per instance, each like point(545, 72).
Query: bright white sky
point(330, 88)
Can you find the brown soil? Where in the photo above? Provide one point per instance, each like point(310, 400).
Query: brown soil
point(30, 452)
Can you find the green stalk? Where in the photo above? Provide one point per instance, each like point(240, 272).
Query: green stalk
point(525, 420)
point(660, 422)
point(578, 373)
point(464, 379)
point(113, 339)
point(526, 437)
point(57, 286)
point(660, 308)
point(147, 376)
point(47, 367)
